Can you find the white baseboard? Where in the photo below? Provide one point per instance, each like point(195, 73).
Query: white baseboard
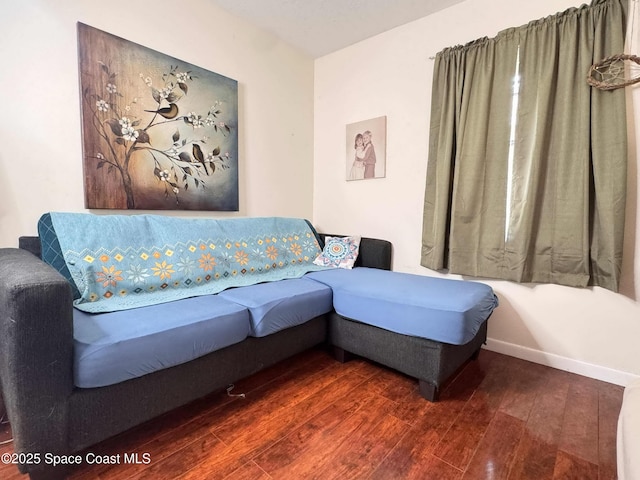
point(591, 370)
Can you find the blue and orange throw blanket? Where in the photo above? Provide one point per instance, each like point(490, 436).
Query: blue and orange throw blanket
point(119, 262)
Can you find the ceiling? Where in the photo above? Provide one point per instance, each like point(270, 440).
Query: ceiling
point(319, 27)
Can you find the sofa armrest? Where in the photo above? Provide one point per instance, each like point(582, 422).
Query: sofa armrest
point(31, 244)
point(628, 436)
point(36, 351)
point(374, 253)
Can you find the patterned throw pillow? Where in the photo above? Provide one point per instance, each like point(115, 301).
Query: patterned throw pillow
point(339, 252)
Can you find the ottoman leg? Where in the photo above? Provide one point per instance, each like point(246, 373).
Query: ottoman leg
point(341, 355)
point(428, 391)
point(476, 354)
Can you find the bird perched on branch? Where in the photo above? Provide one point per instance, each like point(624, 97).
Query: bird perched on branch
point(199, 156)
point(167, 112)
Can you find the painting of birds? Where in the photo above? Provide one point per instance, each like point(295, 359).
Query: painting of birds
point(153, 127)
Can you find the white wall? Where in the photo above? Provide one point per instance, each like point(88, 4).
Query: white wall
point(40, 153)
point(590, 331)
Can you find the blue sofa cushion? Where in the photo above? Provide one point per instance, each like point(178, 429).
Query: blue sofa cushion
point(117, 346)
point(275, 306)
point(444, 310)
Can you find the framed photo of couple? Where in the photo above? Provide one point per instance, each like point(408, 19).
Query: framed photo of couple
point(366, 144)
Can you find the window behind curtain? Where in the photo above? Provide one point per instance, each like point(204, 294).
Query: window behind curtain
point(527, 163)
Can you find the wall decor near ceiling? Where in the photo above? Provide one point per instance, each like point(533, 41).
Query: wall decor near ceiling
point(366, 149)
point(157, 132)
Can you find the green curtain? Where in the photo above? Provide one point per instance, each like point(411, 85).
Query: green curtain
point(527, 163)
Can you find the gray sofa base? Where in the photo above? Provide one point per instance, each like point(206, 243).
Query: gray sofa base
point(432, 363)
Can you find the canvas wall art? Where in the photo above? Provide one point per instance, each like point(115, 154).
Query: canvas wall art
point(366, 149)
point(157, 132)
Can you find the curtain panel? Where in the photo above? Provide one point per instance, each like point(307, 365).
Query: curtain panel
point(526, 179)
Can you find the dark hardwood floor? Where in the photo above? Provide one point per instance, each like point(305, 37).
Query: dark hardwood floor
point(312, 417)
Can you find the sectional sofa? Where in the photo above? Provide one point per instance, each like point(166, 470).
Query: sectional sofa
point(109, 321)
point(628, 434)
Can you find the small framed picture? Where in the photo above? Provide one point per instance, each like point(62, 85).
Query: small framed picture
point(366, 149)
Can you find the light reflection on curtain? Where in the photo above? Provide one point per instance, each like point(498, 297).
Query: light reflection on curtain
point(567, 179)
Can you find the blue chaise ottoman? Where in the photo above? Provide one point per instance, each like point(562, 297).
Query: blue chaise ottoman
point(422, 326)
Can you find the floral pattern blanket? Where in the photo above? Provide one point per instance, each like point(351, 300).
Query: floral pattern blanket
point(128, 261)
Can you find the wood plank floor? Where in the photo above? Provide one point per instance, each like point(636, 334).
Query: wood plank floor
point(312, 417)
